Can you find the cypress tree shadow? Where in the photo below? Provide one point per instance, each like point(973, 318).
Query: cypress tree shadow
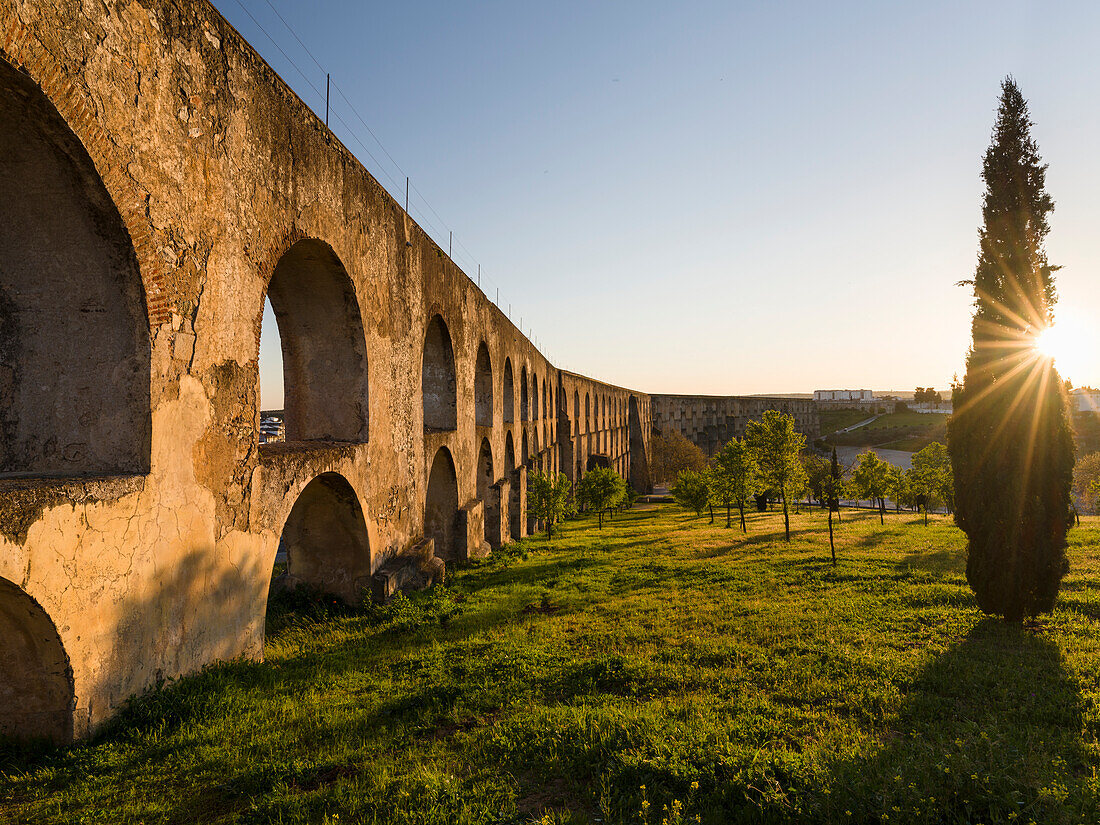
point(991, 731)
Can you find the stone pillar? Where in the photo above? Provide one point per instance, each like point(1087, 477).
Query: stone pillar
point(517, 508)
point(496, 513)
point(470, 530)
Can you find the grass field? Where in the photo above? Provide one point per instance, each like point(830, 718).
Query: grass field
point(833, 420)
point(661, 670)
point(910, 431)
point(908, 419)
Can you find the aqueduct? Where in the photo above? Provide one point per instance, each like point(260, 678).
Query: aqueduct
point(159, 181)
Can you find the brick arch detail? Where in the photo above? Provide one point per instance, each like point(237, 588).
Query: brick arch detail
point(20, 49)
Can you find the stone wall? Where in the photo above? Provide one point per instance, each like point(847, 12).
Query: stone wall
point(160, 181)
point(709, 421)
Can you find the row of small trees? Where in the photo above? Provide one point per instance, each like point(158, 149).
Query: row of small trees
point(767, 459)
point(929, 484)
point(550, 497)
point(1086, 484)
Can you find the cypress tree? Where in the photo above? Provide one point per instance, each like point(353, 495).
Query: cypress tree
point(1009, 439)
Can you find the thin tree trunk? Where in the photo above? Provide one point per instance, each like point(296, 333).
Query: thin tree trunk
point(786, 516)
point(832, 546)
point(741, 509)
point(711, 508)
point(882, 511)
point(925, 515)
point(728, 522)
point(599, 515)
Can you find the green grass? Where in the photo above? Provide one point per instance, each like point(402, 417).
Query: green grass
point(833, 420)
point(661, 662)
point(898, 431)
point(908, 419)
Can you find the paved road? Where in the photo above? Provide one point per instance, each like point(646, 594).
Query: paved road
point(899, 458)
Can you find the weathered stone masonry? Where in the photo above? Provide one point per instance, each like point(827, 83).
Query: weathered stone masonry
point(157, 182)
point(709, 421)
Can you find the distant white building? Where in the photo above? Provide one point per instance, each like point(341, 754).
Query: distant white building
point(1086, 399)
point(844, 395)
point(272, 428)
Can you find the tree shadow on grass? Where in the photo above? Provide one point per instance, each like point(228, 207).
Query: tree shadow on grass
point(990, 731)
point(939, 562)
point(533, 573)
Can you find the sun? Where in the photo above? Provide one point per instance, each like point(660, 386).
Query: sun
point(1072, 346)
point(1050, 342)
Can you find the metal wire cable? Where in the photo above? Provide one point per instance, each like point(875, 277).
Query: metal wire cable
point(485, 282)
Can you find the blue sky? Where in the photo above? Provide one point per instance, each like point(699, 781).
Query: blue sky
point(716, 197)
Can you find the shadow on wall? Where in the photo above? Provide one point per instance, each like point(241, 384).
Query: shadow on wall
point(204, 608)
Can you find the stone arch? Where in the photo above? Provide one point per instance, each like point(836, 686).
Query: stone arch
point(587, 413)
point(483, 388)
point(437, 378)
point(524, 407)
point(598, 460)
point(534, 396)
point(485, 470)
point(325, 539)
point(74, 332)
point(509, 455)
point(36, 682)
point(486, 475)
point(525, 452)
point(323, 345)
point(441, 504)
point(576, 410)
point(508, 401)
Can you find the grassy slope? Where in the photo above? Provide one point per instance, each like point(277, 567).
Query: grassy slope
point(898, 431)
point(747, 680)
point(833, 420)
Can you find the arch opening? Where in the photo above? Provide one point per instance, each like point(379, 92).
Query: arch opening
point(508, 404)
point(509, 455)
point(483, 388)
point(441, 505)
point(323, 347)
point(324, 543)
point(598, 460)
point(437, 378)
point(486, 475)
point(524, 407)
point(74, 334)
point(36, 683)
